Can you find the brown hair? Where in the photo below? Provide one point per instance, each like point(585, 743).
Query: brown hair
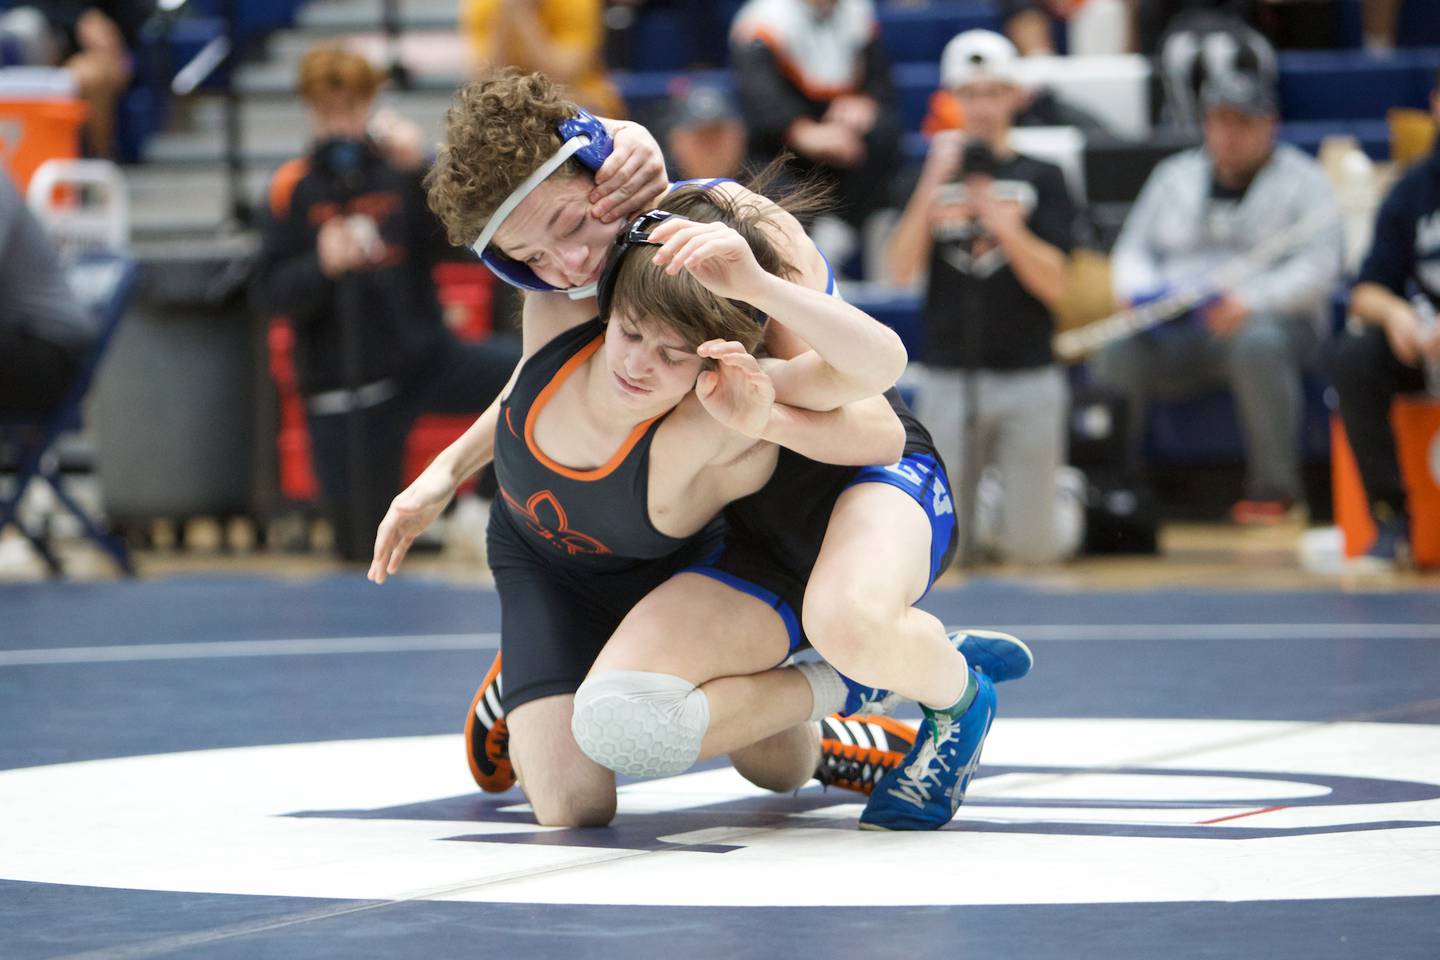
point(644, 291)
point(498, 131)
point(331, 69)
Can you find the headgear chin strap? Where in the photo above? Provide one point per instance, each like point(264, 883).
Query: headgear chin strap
point(636, 233)
point(587, 140)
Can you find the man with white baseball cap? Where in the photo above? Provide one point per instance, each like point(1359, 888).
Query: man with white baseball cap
point(991, 230)
point(975, 55)
point(981, 52)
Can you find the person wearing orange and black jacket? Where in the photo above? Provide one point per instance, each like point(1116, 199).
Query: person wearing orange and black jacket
point(813, 78)
point(348, 249)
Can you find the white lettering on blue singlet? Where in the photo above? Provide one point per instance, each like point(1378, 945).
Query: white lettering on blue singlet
point(908, 472)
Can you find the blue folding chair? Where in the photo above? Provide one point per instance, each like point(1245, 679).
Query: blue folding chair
point(103, 278)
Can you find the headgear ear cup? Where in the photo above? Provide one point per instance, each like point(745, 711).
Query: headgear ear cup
point(585, 124)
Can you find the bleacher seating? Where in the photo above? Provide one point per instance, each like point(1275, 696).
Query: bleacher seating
point(1113, 89)
point(1345, 91)
point(1351, 85)
point(1322, 95)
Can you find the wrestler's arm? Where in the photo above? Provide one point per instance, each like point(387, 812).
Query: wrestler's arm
point(864, 433)
point(838, 352)
point(853, 355)
point(739, 395)
point(420, 504)
point(544, 317)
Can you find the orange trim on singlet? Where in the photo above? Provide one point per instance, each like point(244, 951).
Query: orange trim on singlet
point(510, 425)
point(561, 375)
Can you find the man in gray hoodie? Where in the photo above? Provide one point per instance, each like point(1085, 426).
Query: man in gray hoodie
point(1201, 210)
point(43, 330)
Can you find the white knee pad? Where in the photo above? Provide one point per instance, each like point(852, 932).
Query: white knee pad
point(640, 724)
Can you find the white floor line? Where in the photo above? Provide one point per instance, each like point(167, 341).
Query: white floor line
point(169, 944)
point(1229, 631)
point(250, 648)
point(479, 641)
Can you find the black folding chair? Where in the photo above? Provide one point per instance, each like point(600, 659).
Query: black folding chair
point(102, 277)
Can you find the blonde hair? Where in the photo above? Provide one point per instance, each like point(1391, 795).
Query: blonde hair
point(500, 128)
point(330, 69)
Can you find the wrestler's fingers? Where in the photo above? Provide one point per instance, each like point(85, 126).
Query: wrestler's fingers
point(719, 347)
point(706, 249)
point(398, 555)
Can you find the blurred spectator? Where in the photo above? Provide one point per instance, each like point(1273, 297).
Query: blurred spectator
point(1287, 24)
point(1396, 298)
point(347, 255)
point(564, 38)
point(1155, 18)
point(93, 40)
point(1300, 24)
point(1035, 106)
point(1201, 44)
point(1205, 208)
point(44, 332)
point(1379, 19)
point(694, 34)
point(1090, 26)
point(704, 135)
point(994, 228)
point(1031, 24)
point(814, 78)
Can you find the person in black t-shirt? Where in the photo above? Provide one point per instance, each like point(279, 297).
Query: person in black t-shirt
point(995, 229)
point(1398, 350)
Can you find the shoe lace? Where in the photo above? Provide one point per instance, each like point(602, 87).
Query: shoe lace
point(916, 780)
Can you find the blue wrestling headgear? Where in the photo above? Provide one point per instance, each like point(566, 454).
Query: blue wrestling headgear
point(586, 139)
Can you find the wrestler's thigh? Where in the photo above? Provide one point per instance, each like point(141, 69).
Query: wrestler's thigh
point(696, 627)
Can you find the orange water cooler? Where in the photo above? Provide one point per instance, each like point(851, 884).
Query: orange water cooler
point(40, 119)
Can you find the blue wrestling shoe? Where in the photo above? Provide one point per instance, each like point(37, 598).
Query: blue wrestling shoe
point(924, 792)
point(998, 655)
point(862, 701)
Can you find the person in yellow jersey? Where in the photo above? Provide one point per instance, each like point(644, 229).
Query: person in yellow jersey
point(564, 38)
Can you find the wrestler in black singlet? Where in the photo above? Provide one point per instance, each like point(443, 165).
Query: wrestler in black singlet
point(569, 558)
point(773, 536)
